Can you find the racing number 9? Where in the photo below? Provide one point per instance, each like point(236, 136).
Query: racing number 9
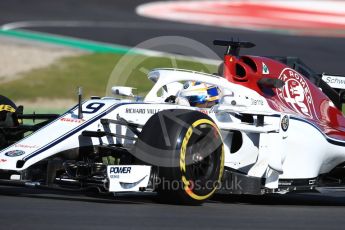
point(93, 107)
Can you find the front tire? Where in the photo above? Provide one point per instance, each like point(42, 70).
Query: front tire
point(187, 148)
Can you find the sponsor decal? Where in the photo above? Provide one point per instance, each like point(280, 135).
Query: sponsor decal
point(7, 108)
point(126, 185)
point(265, 69)
point(128, 177)
point(25, 146)
point(2, 160)
point(115, 171)
point(72, 120)
point(295, 94)
point(141, 111)
point(120, 170)
point(14, 153)
point(257, 102)
point(337, 82)
point(285, 123)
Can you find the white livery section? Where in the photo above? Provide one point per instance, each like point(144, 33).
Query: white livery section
point(65, 133)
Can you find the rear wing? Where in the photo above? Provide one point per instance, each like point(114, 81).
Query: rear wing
point(334, 87)
point(335, 81)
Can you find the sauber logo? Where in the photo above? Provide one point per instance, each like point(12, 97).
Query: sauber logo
point(296, 93)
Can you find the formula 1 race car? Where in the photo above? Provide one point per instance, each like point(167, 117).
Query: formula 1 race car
point(262, 125)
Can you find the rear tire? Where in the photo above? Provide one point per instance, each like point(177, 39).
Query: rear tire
point(187, 148)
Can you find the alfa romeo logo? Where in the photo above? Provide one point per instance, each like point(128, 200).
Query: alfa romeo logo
point(296, 93)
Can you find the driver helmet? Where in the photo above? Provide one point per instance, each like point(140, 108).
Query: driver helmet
point(200, 94)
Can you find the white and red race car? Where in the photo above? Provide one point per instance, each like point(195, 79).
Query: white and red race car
point(263, 125)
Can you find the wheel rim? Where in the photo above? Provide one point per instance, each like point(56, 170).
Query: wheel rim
point(201, 167)
point(202, 158)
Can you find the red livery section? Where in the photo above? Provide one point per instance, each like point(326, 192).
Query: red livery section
point(298, 96)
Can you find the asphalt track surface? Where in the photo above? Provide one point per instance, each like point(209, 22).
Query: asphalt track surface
point(40, 209)
point(25, 208)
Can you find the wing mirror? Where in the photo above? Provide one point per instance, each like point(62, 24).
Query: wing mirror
point(122, 91)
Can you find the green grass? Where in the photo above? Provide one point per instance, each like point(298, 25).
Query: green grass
point(92, 72)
